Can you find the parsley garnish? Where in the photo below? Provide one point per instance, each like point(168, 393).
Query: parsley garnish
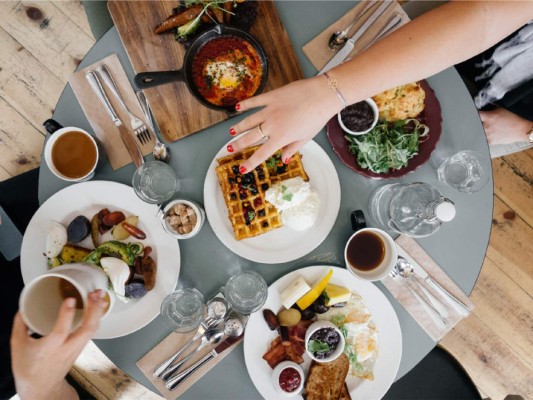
point(285, 196)
point(317, 346)
point(338, 320)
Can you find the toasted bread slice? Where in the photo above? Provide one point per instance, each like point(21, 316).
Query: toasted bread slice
point(345, 393)
point(326, 381)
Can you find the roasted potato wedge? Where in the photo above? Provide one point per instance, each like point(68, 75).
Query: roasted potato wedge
point(73, 254)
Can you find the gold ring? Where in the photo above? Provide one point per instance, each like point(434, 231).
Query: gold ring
point(263, 136)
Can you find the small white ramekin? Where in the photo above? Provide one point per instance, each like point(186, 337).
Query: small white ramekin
point(200, 214)
point(277, 372)
point(315, 326)
point(375, 110)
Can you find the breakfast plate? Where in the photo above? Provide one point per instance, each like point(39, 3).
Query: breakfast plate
point(431, 116)
point(282, 244)
point(258, 336)
point(87, 199)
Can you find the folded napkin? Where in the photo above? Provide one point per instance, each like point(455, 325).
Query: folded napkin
point(409, 249)
point(317, 50)
point(106, 132)
point(165, 349)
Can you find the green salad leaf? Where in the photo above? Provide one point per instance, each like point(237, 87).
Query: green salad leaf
point(388, 145)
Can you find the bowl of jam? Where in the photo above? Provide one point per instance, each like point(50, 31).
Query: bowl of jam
point(359, 118)
point(288, 378)
point(324, 342)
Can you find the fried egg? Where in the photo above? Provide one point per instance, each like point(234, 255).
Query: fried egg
point(225, 74)
point(361, 335)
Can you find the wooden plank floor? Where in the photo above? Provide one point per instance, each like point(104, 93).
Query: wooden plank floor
point(44, 41)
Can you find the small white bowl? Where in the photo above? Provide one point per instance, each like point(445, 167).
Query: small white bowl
point(200, 214)
point(321, 325)
point(277, 372)
point(375, 110)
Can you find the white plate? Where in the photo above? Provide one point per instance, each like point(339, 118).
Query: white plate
point(87, 199)
point(258, 336)
point(282, 244)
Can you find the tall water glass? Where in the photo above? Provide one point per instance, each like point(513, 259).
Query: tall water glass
point(246, 291)
point(155, 182)
point(464, 171)
point(183, 310)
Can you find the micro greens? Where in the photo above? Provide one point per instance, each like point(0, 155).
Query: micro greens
point(388, 145)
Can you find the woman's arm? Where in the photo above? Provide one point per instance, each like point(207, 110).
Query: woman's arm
point(454, 32)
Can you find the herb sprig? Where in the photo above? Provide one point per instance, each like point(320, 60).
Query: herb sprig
point(388, 145)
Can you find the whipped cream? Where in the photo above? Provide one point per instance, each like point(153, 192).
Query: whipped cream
point(297, 202)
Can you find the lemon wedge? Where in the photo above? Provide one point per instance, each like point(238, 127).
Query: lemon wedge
point(317, 289)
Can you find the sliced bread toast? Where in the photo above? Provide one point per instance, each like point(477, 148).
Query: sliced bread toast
point(326, 381)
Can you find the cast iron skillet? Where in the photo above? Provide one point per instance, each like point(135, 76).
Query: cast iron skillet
point(146, 80)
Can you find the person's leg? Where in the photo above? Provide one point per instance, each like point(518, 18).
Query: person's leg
point(98, 16)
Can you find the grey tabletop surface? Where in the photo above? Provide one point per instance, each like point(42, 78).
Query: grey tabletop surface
point(459, 246)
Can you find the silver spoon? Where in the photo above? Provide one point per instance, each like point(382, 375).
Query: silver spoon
point(406, 270)
point(161, 150)
point(211, 336)
point(217, 309)
point(435, 316)
point(233, 328)
point(339, 38)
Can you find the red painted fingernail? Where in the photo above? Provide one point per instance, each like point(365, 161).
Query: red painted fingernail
point(232, 132)
point(242, 169)
point(238, 106)
point(287, 160)
point(230, 148)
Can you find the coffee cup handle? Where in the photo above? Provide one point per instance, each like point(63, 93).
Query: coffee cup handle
point(51, 125)
point(358, 220)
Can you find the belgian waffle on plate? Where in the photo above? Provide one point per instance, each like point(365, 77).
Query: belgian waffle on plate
point(250, 214)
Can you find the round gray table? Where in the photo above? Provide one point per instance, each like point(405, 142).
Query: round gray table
point(459, 246)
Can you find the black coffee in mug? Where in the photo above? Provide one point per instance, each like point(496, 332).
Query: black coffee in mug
point(365, 251)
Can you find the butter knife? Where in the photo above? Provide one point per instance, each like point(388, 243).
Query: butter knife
point(350, 44)
point(126, 137)
point(421, 273)
point(178, 379)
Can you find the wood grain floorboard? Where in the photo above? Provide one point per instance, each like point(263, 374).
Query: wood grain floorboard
point(43, 42)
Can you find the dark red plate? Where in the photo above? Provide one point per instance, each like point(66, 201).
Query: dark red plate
point(431, 116)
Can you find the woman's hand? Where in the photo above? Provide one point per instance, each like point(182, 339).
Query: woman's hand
point(40, 365)
point(292, 115)
point(502, 126)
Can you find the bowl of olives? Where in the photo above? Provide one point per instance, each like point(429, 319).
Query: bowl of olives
point(324, 342)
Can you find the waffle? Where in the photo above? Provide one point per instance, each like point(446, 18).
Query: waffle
point(249, 213)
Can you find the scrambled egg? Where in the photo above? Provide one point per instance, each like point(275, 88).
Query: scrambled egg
point(361, 335)
point(226, 74)
point(401, 102)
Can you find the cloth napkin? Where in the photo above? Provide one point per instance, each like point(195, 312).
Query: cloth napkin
point(106, 132)
point(317, 50)
point(415, 254)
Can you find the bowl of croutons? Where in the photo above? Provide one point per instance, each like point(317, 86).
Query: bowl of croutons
point(183, 219)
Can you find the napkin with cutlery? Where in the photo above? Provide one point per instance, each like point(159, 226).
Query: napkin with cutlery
point(106, 132)
point(317, 50)
point(424, 265)
point(169, 345)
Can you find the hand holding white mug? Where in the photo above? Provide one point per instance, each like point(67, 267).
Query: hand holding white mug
point(40, 365)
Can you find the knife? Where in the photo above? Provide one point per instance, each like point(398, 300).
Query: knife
point(128, 140)
point(350, 44)
point(420, 272)
point(178, 379)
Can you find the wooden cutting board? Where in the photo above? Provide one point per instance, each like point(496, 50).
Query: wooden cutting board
point(176, 111)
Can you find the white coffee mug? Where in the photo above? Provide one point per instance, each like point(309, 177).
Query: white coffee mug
point(48, 154)
point(41, 299)
point(386, 264)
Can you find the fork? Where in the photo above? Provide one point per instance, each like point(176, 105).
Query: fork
point(138, 126)
point(161, 368)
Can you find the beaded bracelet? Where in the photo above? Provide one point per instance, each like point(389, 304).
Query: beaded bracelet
point(332, 83)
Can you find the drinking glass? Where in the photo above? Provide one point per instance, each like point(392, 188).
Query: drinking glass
point(464, 171)
point(183, 310)
point(155, 182)
point(246, 291)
